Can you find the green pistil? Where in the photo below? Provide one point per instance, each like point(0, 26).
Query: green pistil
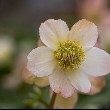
point(69, 55)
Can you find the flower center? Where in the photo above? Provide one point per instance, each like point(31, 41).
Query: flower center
point(69, 55)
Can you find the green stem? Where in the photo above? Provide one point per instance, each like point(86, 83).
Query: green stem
point(52, 102)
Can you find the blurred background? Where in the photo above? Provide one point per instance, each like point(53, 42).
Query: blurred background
point(19, 25)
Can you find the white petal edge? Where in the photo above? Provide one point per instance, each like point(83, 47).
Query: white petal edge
point(41, 61)
point(60, 84)
point(84, 32)
point(80, 81)
point(52, 32)
point(97, 62)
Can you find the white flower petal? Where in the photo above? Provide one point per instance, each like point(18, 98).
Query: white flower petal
point(53, 31)
point(79, 80)
point(85, 32)
point(41, 61)
point(97, 62)
point(60, 84)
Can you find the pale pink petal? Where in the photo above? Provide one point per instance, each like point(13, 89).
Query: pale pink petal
point(84, 32)
point(60, 84)
point(98, 83)
point(52, 32)
point(79, 80)
point(68, 103)
point(41, 61)
point(29, 78)
point(97, 62)
point(40, 43)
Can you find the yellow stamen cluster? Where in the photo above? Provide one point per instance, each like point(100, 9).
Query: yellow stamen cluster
point(69, 55)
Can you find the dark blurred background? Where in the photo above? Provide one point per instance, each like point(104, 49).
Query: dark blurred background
point(19, 26)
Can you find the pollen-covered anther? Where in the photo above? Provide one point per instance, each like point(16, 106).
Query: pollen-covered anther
point(69, 55)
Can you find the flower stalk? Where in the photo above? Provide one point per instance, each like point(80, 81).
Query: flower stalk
point(52, 102)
